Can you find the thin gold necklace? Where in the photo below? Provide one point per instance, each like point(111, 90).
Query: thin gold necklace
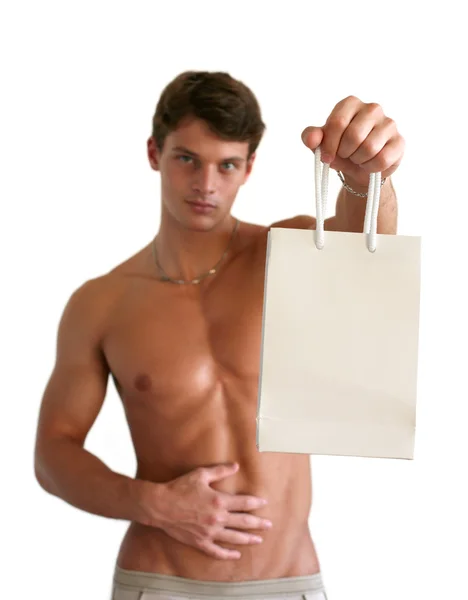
point(212, 271)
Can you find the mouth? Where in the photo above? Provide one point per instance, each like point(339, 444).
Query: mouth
point(201, 208)
point(201, 204)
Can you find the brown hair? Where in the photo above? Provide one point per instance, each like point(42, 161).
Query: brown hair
point(228, 106)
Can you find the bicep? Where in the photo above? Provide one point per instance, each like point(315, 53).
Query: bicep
point(77, 387)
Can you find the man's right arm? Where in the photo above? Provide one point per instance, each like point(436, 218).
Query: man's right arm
point(187, 508)
point(71, 403)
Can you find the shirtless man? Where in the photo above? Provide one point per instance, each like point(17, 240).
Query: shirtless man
point(209, 515)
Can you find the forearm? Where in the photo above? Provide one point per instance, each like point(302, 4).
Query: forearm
point(65, 469)
point(351, 210)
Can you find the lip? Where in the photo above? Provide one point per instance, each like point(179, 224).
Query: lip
point(201, 204)
point(202, 208)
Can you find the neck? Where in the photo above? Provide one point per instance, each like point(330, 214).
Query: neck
point(187, 253)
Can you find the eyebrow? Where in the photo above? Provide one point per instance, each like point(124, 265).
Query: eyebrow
point(187, 151)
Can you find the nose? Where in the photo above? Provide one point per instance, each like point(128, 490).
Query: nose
point(205, 180)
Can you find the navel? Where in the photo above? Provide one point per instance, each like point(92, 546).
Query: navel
point(142, 383)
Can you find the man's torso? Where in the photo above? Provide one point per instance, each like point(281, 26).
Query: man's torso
point(185, 361)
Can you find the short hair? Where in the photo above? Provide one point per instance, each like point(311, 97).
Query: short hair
point(228, 106)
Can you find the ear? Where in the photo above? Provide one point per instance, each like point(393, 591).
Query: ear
point(154, 155)
point(249, 166)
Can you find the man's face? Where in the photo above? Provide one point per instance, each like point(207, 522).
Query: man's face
point(200, 174)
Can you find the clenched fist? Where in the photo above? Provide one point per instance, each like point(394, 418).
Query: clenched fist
point(357, 139)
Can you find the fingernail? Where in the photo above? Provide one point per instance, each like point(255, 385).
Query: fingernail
point(258, 540)
point(326, 158)
point(268, 523)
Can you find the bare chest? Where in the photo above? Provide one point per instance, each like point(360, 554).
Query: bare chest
point(171, 341)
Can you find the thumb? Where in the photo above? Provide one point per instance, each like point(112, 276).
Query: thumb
point(312, 137)
point(220, 471)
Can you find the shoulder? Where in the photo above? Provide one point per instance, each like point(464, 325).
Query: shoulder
point(91, 304)
point(307, 222)
point(107, 287)
point(88, 305)
point(298, 222)
point(91, 294)
point(260, 232)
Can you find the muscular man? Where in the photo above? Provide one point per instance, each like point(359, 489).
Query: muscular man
point(178, 327)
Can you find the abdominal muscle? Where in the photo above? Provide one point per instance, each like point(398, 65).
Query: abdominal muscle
point(219, 428)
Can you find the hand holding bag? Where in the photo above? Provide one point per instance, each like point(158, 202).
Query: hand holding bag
point(340, 334)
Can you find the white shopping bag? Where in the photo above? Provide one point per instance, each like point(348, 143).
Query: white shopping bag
point(340, 339)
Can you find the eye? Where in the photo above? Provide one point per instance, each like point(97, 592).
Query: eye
point(184, 158)
point(226, 166)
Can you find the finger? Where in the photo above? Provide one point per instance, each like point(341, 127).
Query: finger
point(216, 551)
point(219, 472)
point(387, 160)
point(246, 521)
point(339, 119)
point(357, 132)
point(241, 503)
point(231, 536)
point(312, 137)
point(373, 142)
point(346, 166)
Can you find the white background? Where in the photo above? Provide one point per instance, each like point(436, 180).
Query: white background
point(80, 83)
